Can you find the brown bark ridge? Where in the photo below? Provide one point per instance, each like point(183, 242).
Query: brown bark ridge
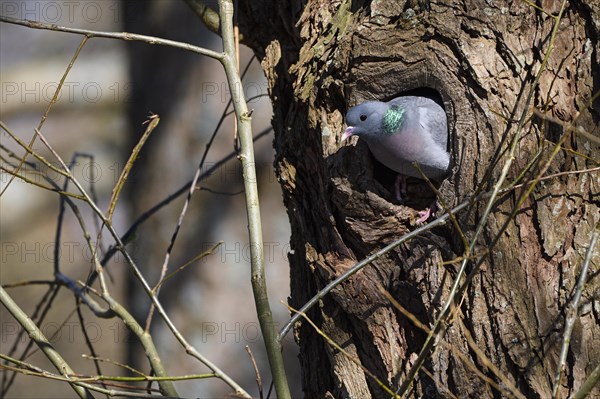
point(320, 58)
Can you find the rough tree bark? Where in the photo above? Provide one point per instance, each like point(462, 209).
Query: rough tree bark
point(320, 58)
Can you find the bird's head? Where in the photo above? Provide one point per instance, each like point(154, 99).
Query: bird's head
point(366, 120)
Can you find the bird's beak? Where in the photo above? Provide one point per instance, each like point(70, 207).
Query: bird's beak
point(347, 133)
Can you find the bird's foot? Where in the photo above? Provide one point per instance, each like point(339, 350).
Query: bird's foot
point(426, 213)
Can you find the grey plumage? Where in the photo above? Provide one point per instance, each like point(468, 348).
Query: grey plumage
point(403, 131)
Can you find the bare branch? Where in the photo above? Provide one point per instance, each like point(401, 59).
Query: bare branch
point(154, 120)
point(42, 342)
point(115, 35)
point(259, 284)
point(573, 311)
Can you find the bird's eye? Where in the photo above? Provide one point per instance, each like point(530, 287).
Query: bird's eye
point(363, 118)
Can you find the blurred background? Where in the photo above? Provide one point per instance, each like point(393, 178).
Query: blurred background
point(111, 90)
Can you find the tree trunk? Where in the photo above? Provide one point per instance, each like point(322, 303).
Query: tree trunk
point(321, 58)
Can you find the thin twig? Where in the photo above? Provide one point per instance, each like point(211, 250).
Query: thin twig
point(229, 194)
point(52, 102)
point(30, 150)
point(188, 263)
point(53, 189)
point(88, 341)
point(94, 196)
point(579, 129)
point(87, 385)
point(25, 283)
point(573, 312)
point(256, 372)
point(537, 8)
point(512, 390)
point(154, 120)
point(107, 360)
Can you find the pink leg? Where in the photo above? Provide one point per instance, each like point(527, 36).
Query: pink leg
point(400, 187)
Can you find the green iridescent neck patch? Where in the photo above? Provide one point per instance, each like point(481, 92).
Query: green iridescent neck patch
point(392, 120)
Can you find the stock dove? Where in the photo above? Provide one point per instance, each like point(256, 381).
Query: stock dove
point(401, 132)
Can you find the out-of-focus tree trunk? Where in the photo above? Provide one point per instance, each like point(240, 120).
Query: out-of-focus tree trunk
point(320, 58)
point(159, 89)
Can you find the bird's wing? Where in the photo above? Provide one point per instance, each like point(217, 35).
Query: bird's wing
point(433, 119)
point(429, 114)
